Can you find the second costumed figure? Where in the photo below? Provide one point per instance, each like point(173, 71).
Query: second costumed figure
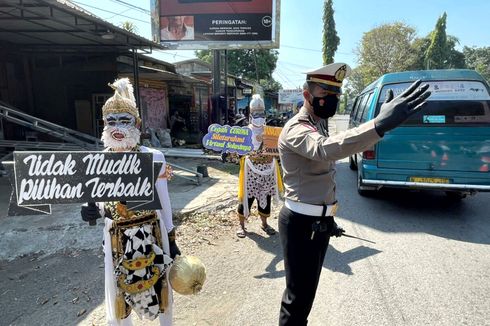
point(260, 177)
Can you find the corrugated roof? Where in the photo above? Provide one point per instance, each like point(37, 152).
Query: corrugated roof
point(62, 26)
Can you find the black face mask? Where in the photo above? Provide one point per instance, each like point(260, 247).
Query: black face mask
point(329, 107)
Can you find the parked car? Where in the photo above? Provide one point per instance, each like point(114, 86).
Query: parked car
point(445, 146)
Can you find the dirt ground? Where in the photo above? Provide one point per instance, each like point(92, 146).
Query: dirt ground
point(67, 287)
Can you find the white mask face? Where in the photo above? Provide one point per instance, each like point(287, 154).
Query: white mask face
point(257, 128)
point(258, 122)
point(120, 132)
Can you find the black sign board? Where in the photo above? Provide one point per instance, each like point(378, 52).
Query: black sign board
point(43, 178)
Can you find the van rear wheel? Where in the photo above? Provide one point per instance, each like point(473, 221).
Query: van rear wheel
point(361, 189)
point(352, 164)
point(455, 195)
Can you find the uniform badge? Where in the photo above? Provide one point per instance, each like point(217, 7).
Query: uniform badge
point(340, 73)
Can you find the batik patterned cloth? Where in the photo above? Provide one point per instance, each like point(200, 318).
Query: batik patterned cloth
point(259, 177)
point(260, 185)
point(140, 242)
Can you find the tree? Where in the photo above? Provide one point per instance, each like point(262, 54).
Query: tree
point(356, 82)
point(394, 47)
point(252, 64)
point(344, 101)
point(453, 57)
point(437, 53)
point(129, 26)
point(330, 39)
point(419, 49)
point(205, 55)
point(478, 59)
point(384, 49)
point(270, 85)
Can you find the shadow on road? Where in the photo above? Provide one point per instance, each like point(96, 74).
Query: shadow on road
point(403, 210)
point(335, 260)
point(266, 243)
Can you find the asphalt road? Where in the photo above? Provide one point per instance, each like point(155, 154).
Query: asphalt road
point(430, 266)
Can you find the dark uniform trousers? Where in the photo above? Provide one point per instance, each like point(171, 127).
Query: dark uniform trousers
point(303, 261)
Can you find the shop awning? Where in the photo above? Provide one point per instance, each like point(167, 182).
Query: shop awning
point(61, 26)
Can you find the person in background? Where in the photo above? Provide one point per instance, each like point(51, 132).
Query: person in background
point(177, 126)
point(240, 114)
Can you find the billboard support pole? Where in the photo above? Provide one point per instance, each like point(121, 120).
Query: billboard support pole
point(136, 78)
point(226, 86)
point(217, 84)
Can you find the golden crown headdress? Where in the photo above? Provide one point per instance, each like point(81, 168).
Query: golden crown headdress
point(123, 100)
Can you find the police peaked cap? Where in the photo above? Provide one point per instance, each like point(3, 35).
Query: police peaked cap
point(329, 77)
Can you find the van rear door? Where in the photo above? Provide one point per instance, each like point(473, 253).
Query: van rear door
point(451, 133)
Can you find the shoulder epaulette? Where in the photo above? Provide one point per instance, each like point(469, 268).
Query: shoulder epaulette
point(304, 118)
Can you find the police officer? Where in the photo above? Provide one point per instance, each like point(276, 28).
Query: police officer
point(308, 156)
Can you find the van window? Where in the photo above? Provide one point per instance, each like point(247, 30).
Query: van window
point(354, 108)
point(358, 108)
point(362, 106)
point(456, 103)
point(366, 108)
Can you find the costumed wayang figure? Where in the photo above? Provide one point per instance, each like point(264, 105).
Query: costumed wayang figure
point(139, 246)
point(260, 177)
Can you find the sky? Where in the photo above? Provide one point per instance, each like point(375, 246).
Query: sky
point(301, 27)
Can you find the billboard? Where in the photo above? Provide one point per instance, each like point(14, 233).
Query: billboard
point(290, 96)
point(215, 24)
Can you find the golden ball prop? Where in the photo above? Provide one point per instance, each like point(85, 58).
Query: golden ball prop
point(187, 275)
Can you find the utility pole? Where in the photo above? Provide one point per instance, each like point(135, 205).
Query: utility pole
point(227, 121)
point(217, 83)
point(256, 69)
point(136, 78)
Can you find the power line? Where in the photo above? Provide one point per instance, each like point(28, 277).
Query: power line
point(314, 50)
point(290, 70)
point(132, 6)
point(126, 10)
point(111, 12)
point(284, 76)
point(294, 64)
point(294, 81)
point(173, 54)
point(284, 83)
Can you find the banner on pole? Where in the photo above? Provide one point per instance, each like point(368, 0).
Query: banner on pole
point(270, 140)
point(226, 139)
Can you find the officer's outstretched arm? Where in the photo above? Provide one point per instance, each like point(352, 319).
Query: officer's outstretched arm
point(308, 142)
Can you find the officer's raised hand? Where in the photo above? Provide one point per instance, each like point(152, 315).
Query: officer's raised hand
point(396, 110)
point(90, 213)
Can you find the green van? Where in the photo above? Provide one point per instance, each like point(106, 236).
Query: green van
point(445, 146)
